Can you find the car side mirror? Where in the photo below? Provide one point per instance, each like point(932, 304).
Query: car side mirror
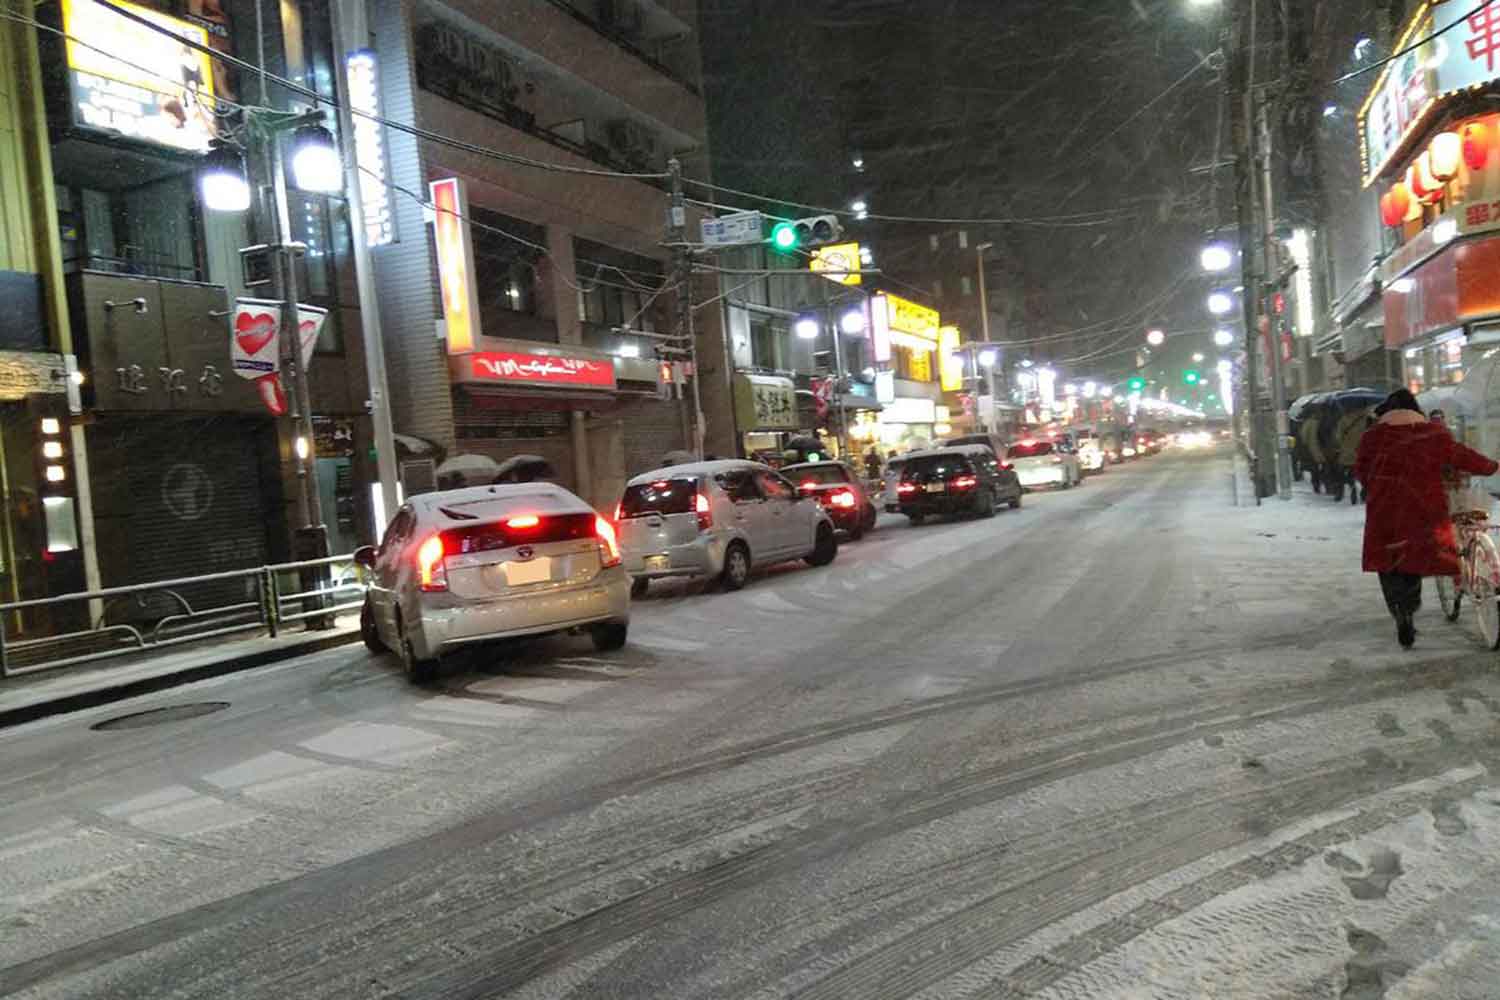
point(365, 556)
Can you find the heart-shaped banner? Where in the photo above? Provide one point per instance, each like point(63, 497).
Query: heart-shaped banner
point(272, 394)
point(254, 330)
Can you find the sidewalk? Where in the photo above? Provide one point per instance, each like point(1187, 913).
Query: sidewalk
point(69, 689)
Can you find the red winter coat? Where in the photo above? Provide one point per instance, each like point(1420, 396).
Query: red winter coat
point(1407, 527)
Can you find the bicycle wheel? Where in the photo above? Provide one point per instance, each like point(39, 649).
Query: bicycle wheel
point(1450, 597)
point(1486, 594)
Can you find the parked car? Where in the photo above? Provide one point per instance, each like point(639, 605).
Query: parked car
point(1090, 451)
point(994, 442)
point(492, 562)
point(966, 479)
point(1040, 462)
point(841, 492)
point(718, 520)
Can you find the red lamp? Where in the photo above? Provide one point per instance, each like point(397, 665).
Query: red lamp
point(1475, 138)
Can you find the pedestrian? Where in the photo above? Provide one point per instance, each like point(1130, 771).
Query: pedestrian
point(1349, 432)
point(872, 464)
point(1408, 531)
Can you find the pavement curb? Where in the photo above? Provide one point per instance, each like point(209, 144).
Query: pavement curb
point(108, 693)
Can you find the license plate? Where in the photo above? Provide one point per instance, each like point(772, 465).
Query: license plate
point(658, 562)
point(532, 571)
point(937, 487)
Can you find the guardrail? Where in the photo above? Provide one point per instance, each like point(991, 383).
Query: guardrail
point(118, 621)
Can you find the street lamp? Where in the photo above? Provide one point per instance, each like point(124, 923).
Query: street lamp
point(987, 358)
point(1223, 338)
point(1220, 303)
point(1197, 355)
point(853, 322)
point(1216, 257)
point(315, 160)
point(1155, 338)
point(807, 328)
point(221, 179)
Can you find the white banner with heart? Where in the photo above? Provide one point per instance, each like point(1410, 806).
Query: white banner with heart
point(254, 338)
point(309, 325)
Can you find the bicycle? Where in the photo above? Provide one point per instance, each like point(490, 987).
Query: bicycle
point(1479, 574)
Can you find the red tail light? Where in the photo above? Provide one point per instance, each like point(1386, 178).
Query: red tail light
point(842, 498)
point(963, 482)
point(906, 487)
point(705, 512)
point(809, 485)
point(523, 521)
point(619, 509)
point(609, 543)
point(432, 573)
point(1006, 467)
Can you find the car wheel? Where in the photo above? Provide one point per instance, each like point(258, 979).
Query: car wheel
point(367, 630)
point(987, 505)
point(857, 530)
point(609, 636)
point(916, 519)
point(639, 585)
point(736, 566)
point(1015, 503)
point(825, 547)
point(418, 671)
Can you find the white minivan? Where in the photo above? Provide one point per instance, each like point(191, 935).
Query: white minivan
point(1043, 462)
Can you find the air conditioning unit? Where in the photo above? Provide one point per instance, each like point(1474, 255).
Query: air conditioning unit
point(621, 16)
point(631, 140)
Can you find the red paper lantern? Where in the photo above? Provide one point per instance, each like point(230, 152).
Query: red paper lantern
point(1400, 200)
point(1443, 155)
point(1388, 213)
point(1424, 187)
point(1476, 142)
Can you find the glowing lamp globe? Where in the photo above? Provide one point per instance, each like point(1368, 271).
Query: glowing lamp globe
point(1444, 155)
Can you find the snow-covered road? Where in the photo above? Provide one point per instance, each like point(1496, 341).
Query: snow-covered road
point(1128, 741)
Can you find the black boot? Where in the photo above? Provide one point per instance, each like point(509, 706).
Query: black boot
point(1406, 632)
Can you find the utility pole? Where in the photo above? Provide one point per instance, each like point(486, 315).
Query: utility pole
point(984, 323)
point(682, 274)
point(1241, 40)
point(840, 427)
point(350, 39)
point(1272, 271)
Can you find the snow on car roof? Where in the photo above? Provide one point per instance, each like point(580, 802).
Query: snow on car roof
point(487, 501)
point(696, 469)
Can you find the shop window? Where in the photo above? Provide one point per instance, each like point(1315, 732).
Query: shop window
point(1450, 361)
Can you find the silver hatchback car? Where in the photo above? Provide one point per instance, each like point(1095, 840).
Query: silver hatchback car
point(717, 520)
point(492, 562)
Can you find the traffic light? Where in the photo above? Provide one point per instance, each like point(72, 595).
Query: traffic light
point(812, 231)
point(1135, 384)
point(1191, 377)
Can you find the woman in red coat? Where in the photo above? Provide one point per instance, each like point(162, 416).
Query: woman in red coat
point(1408, 532)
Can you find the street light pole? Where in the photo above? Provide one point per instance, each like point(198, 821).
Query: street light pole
point(1272, 268)
point(984, 324)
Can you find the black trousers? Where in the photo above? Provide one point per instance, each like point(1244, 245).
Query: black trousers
point(1403, 592)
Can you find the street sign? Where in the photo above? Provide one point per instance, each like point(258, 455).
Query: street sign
point(733, 230)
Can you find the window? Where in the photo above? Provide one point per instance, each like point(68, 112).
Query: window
point(616, 286)
point(739, 484)
point(774, 487)
point(769, 343)
point(965, 285)
point(1030, 449)
point(506, 252)
point(963, 239)
point(932, 242)
point(666, 496)
point(935, 467)
point(819, 475)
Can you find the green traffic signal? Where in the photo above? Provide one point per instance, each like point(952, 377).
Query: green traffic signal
point(1190, 377)
point(784, 237)
point(1136, 384)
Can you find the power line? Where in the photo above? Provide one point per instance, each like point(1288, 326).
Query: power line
point(1076, 220)
point(1410, 48)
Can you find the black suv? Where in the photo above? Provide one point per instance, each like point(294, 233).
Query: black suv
point(963, 479)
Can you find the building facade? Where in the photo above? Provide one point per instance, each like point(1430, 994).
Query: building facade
point(543, 332)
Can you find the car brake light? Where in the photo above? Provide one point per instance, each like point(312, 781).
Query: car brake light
point(906, 487)
point(809, 485)
point(609, 543)
point(843, 498)
point(1006, 467)
point(964, 482)
point(523, 521)
point(432, 573)
point(705, 513)
point(619, 510)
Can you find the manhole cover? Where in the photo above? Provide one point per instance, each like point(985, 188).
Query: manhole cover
point(157, 716)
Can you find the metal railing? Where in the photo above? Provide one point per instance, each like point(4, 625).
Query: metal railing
point(118, 621)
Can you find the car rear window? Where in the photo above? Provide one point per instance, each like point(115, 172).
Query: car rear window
point(665, 496)
point(936, 466)
point(1030, 449)
point(817, 475)
point(517, 529)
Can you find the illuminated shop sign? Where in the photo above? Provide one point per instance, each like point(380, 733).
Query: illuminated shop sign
point(369, 149)
point(541, 369)
point(455, 260)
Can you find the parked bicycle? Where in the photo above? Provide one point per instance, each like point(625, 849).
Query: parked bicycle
point(1479, 566)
